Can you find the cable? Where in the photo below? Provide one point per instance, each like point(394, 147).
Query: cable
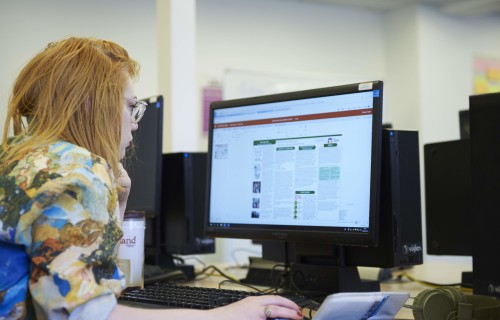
point(233, 254)
point(203, 264)
point(212, 267)
point(281, 281)
point(180, 259)
point(428, 283)
point(241, 284)
point(228, 278)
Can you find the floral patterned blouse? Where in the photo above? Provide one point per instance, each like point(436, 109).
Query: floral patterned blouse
point(59, 235)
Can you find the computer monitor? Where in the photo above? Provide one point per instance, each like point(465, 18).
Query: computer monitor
point(144, 166)
point(183, 203)
point(300, 167)
point(170, 189)
point(143, 161)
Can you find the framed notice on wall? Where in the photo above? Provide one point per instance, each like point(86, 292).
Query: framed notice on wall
point(210, 94)
point(486, 75)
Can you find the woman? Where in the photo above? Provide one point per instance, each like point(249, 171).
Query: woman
point(73, 110)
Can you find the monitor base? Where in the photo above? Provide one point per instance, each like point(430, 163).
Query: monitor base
point(321, 280)
point(467, 279)
point(263, 272)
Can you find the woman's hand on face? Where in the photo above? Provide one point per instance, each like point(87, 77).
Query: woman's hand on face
point(260, 308)
point(123, 180)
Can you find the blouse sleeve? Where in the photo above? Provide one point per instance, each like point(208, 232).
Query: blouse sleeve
point(74, 241)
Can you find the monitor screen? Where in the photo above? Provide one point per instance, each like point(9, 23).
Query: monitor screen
point(297, 166)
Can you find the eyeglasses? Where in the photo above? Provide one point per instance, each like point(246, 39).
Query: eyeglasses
point(138, 109)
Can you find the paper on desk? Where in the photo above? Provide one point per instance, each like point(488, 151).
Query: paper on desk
point(362, 305)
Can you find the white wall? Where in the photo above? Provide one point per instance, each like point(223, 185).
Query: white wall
point(26, 26)
point(287, 37)
point(177, 74)
point(447, 46)
point(401, 99)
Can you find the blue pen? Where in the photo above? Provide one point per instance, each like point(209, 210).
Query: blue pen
point(377, 305)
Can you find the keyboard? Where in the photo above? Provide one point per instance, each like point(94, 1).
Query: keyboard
point(171, 295)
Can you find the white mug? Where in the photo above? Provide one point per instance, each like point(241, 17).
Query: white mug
point(131, 252)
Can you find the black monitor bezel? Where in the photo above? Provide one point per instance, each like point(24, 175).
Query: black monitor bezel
point(307, 234)
point(135, 167)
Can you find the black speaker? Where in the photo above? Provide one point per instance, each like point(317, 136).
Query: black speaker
point(485, 170)
point(448, 197)
point(183, 203)
point(400, 233)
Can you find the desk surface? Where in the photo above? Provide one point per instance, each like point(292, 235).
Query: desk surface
point(439, 273)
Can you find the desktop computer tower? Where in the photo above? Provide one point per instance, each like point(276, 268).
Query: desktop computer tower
point(183, 204)
point(485, 177)
point(400, 225)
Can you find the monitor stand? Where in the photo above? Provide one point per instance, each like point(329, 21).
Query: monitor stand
point(265, 273)
point(319, 281)
point(467, 279)
point(167, 262)
point(315, 273)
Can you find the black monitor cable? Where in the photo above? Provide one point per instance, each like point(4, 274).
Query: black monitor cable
point(203, 264)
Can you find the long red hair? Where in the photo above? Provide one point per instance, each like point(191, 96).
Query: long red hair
point(73, 91)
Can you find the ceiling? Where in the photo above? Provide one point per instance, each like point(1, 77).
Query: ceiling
point(453, 7)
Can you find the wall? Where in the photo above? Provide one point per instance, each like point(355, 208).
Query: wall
point(177, 74)
point(280, 37)
point(447, 46)
point(402, 74)
point(27, 26)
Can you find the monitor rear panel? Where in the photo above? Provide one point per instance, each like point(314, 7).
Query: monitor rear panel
point(184, 203)
point(485, 164)
point(448, 198)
